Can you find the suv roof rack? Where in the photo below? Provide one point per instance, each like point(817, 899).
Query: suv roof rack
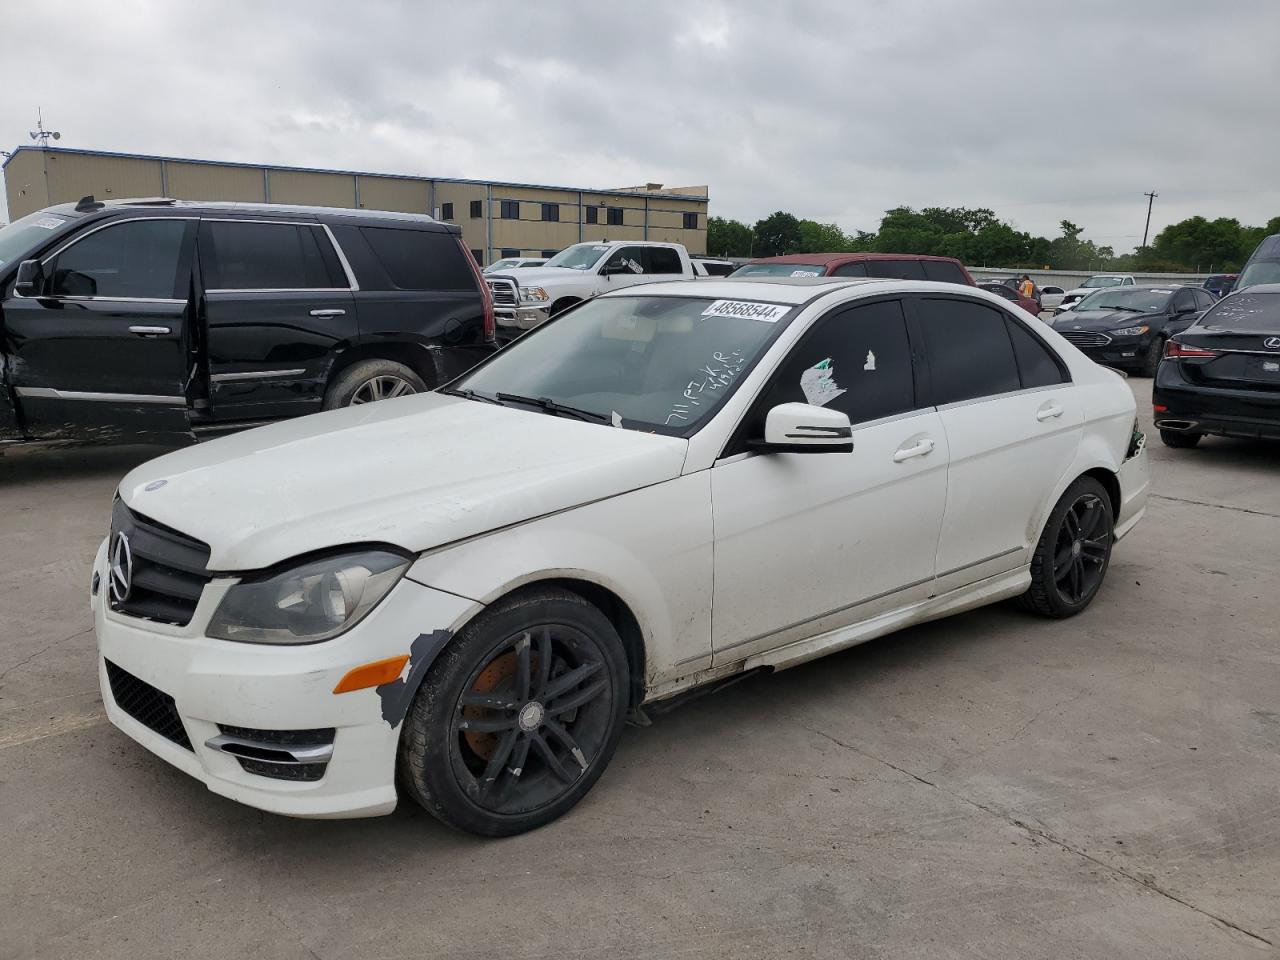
point(150, 201)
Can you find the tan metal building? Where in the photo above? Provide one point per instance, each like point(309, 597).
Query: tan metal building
point(498, 219)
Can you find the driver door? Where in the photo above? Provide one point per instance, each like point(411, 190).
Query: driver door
point(625, 267)
point(806, 543)
point(102, 352)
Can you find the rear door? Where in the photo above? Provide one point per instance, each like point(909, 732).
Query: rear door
point(278, 307)
point(1012, 422)
point(104, 352)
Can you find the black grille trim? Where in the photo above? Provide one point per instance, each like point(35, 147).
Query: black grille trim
point(152, 708)
point(1085, 338)
point(170, 569)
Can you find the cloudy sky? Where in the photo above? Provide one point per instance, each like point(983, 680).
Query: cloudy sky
point(832, 110)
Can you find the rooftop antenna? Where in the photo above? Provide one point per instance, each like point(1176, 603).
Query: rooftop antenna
point(40, 134)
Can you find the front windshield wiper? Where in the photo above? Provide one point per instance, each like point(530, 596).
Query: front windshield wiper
point(469, 394)
point(1129, 309)
point(554, 407)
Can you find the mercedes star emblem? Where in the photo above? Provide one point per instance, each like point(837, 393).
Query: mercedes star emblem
point(120, 576)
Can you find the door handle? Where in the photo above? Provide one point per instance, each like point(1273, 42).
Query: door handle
point(148, 331)
point(921, 449)
point(328, 313)
point(1049, 411)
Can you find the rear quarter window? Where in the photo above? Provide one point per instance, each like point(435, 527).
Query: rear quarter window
point(419, 260)
point(944, 272)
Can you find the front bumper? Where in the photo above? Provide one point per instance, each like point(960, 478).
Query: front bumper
point(513, 321)
point(215, 684)
point(1120, 352)
point(1135, 487)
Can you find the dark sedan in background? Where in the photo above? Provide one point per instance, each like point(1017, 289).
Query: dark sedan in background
point(1128, 326)
point(1222, 374)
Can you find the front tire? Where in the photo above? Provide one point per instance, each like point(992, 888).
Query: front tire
point(1073, 553)
point(519, 716)
point(1151, 362)
point(371, 380)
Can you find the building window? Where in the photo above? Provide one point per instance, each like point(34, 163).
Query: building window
point(446, 211)
point(509, 252)
point(593, 214)
point(551, 211)
point(479, 256)
point(691, 221)
point(477, 209)
point(615, 216)
point(549, 253)
point(510, 209)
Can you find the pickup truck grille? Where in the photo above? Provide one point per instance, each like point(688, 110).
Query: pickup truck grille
point(505, 292)
point(168, 570)
point(1085, 338)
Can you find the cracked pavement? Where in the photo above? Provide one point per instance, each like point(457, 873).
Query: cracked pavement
point(991, 785)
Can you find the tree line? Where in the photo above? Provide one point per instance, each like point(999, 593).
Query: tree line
point(979, 238)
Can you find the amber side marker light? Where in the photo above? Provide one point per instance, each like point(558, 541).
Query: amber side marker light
point(372, 674)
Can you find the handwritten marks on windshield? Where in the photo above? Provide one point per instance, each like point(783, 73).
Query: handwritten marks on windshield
point(705, 387)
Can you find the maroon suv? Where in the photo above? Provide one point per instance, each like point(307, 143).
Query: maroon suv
point(896, 266)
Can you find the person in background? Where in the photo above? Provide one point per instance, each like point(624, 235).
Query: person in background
point(1027, 288)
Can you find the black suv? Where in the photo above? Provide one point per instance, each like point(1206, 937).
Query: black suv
point(157, 319)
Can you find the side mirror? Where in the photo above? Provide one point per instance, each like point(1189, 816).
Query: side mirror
point(802, 428)
point(611, 268)
point(30, 282)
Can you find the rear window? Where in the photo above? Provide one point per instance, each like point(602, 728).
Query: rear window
point(1245, 311)
point(944, 272)
point(897, 269)
point(418, 260)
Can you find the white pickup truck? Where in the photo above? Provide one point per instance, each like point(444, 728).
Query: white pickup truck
point(524, 298)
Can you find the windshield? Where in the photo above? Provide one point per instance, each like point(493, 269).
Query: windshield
point(581, 256)
point(23, 235)
point(1260, 271)
point(501, 265)
point(1146, 301)
point(660, 364)
point(1103, 282)
point(780, 270)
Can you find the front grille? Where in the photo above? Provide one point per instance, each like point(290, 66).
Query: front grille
point(169, 569)
point(1084, 338)
point(152, 708)
point(505, 292)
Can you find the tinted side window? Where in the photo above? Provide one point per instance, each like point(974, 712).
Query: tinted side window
point(968, 348)
point(854, 359)
point(943, 272)
point(850, 270)
point(896, 269)
point(420, 260)
point(663, 260)
point(1037, 364)
point(1183, 300)
point(135, 260)
point(263, 256)
point(631, 259)
point(1204, 300)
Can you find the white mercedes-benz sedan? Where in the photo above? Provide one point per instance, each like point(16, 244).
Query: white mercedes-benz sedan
point(463, 594)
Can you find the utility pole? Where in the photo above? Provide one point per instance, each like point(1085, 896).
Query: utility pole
point(1150, 199)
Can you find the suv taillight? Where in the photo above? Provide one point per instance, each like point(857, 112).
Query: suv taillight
point(1174, 349)
point(486, 295)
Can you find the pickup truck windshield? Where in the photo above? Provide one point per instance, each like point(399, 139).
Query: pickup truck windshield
point(659, 364)
point(581, 256)
point(1148, 301)
point(1103, 282)
point(780, 270)
point(26, 234)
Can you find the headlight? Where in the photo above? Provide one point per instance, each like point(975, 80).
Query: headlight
point(1131, 331)
point(313, 601)
point(533, 294)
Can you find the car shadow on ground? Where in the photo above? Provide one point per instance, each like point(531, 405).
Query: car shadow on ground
point(36, 463)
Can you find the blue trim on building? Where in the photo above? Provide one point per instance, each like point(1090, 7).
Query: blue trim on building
point(267, 167)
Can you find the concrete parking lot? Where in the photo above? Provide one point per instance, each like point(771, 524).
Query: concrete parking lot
point(992, 785)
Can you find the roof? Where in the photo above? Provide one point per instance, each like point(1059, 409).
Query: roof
point(828, 259)
point(610, 191)
point(265, 209)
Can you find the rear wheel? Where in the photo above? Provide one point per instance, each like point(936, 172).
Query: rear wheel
point(1179, 440)
point(519, 717)
point(1071, 558)
point(371, 380)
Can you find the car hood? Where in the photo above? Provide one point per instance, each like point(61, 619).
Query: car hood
point(1099, 319)
point(416, 472)
point(538, 276)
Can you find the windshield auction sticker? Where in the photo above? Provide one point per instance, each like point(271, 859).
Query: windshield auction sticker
point(765, 312)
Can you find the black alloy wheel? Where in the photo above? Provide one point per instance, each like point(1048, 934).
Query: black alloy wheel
point(519, 716)
point(1073, 553)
